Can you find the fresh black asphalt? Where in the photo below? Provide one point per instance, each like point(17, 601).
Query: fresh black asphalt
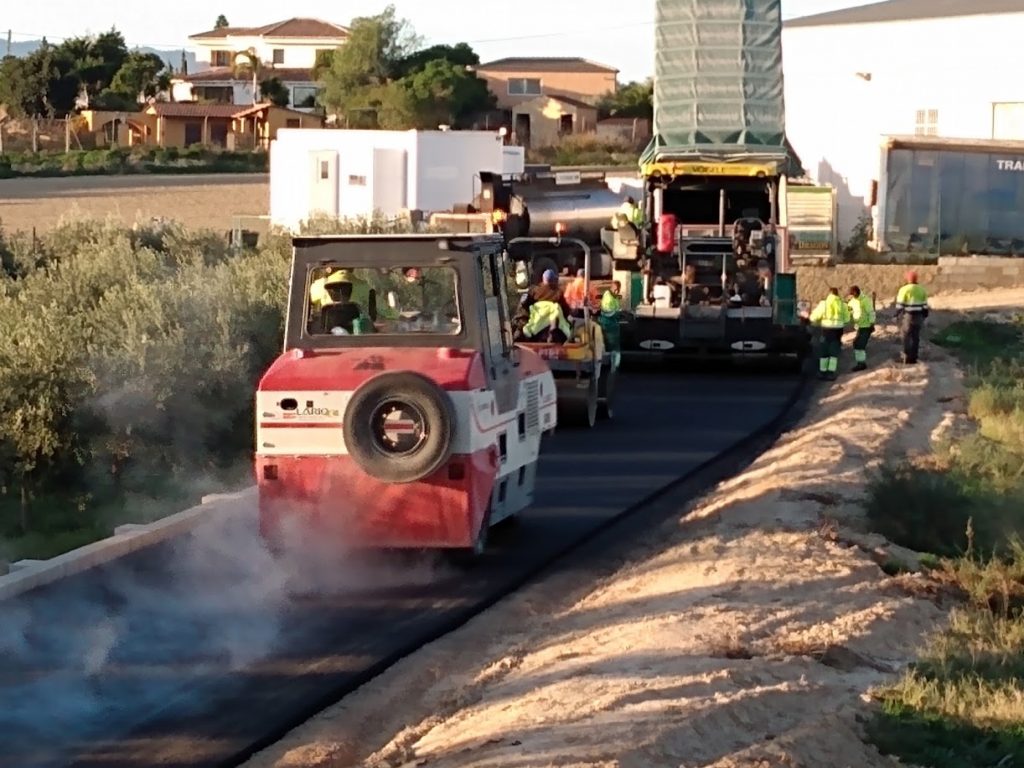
point(190, 653)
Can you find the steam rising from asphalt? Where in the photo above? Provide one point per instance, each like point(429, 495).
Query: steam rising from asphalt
point(100, 651)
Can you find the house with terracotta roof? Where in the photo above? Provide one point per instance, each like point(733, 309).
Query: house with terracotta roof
point(516, 80)
point(544, 120)
point(181, 125)
point(286, 50)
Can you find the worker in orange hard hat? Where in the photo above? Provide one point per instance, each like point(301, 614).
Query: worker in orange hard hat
point(911, 312)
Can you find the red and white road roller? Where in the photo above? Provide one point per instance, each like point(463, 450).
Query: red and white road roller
point(400, 413)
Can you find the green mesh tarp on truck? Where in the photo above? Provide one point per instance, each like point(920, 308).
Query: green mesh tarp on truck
point(718, 85)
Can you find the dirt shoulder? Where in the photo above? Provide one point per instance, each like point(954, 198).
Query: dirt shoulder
point(747, 631)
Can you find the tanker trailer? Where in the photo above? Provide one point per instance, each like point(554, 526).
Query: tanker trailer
point(549, 203)
point(579, 210)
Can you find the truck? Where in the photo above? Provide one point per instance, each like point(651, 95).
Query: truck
point(951, 197)
point(709, 274)
point(542, 210)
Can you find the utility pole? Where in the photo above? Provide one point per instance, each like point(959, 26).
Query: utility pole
point(10, 34)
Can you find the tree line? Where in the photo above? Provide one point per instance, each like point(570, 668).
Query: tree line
point(383, 77)
point(54, 79)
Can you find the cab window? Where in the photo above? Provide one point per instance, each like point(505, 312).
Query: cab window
point(341, 301)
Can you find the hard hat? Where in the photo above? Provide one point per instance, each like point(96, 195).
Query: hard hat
point(341, 276)
point(911, 276)
point(550, 275)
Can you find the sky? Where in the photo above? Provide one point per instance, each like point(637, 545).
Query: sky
point(593, 29)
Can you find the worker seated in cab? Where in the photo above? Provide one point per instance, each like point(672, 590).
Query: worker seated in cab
point(341, 313)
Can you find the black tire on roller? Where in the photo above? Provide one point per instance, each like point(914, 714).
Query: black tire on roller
point(429, 408)
point(606, 391)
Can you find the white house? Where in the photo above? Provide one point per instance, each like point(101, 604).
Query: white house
point(944, 68)
point(287, 50)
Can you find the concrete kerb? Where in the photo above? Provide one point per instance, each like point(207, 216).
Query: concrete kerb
point(27, 575)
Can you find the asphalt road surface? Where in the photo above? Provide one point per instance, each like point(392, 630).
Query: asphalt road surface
point(191, 653)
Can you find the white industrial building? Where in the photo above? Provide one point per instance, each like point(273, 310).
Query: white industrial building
point(944, 68)
point(354, 173)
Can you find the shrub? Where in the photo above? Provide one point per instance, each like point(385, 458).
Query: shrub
point(128, 358)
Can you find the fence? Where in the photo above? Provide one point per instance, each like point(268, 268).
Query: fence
point(45, 134)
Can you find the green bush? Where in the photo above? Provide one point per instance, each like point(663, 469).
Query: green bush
point(118, 160)
point(128, 362)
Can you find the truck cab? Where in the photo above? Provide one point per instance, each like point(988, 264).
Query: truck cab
point(400, 414)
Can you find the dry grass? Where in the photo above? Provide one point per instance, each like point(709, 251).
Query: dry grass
point(963, 703)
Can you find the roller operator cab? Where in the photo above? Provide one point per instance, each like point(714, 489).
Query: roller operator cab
point(710, 274)
point(400, 413)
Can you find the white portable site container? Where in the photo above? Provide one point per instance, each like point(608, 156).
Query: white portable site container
point(353, 173)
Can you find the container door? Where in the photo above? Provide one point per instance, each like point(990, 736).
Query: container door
point(785, 300)
point(323, 183)
point(389, 181)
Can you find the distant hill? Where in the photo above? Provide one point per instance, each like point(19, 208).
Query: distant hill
point(172, 57)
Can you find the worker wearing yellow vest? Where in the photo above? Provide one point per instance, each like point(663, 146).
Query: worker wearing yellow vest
point(547, 323)
point(832, 315)
point(629, 213)
point(911, 312)
point(318, 295)
point(611, 311)
point(862, 310)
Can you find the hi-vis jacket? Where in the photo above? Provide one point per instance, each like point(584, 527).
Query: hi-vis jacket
point(831, 312)
point(542, 314)
point(862, 309)
point(912, 299)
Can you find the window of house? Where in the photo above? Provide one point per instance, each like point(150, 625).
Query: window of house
point(524, 86)
point(304, 96)
point(927, 123)
point(279, 56)
point(220, 58)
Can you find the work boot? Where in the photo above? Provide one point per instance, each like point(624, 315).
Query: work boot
point(860, 367)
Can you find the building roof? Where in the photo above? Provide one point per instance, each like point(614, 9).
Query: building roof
point(579, 103)
point(573, 64)
point(225, 111)
point(294, 28)
point(907, 10)
point(227, 75)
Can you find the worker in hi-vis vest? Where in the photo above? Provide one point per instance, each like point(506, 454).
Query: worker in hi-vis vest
point(832, 315)
point(911, 312)
point(862, 310)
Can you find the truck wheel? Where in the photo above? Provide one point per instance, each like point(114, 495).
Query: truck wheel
point(578, 407)
point(470, 556)
point(399, 427)
point(606, 391)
